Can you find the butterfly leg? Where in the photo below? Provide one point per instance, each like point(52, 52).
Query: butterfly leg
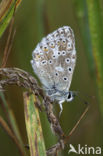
point(61, 107)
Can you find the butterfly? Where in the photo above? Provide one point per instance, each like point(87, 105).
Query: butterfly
point(53, 61)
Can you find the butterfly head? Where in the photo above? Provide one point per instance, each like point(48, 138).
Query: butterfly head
point(70, 96)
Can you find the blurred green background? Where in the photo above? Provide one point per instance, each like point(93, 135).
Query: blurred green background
point(35, 19)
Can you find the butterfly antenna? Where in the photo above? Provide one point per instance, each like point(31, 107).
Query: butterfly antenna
point(76, 93)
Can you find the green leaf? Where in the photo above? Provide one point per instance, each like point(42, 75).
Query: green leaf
point(33, 126)
point(7, 9)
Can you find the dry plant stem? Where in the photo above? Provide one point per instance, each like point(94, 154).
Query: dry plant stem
point(52, 119)
point(21, 78)
point(8, 45)
point(60, 145)
point(7, 50)
point(10, 133)
point(9, 39)
point(76, 125)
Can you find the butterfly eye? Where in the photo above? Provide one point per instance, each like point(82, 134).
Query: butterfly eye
point(70, 96)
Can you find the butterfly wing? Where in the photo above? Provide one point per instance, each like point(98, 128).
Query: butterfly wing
point(43, 64)
point(54, 59)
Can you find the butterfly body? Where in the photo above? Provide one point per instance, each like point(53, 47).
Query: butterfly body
point(54, 61)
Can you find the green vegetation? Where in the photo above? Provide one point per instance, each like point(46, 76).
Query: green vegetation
point(33, 20)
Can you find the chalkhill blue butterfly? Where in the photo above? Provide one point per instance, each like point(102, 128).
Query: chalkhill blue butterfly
point(54, 60)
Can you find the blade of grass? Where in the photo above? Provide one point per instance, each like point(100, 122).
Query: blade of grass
point(82, 15)
point(4, 125)
point(7, 8)
point(33, 126)
point(39, 18)
point(11, 120)
point(96, 30)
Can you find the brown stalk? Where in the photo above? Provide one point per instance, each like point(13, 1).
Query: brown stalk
point(8, 44)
